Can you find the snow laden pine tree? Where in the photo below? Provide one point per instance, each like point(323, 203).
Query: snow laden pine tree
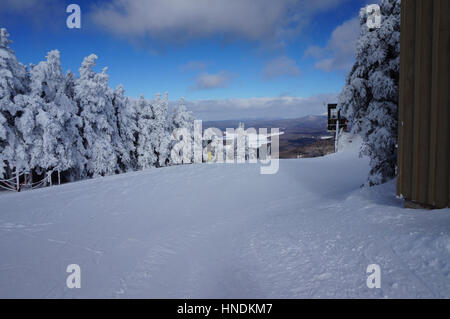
point(13, 82)
point(145, 153)
point(74, 126)
point(49, 124)
point(126, 116)
point(99, 129)
point(160, 130)
point(183, 133)
point(370, 97)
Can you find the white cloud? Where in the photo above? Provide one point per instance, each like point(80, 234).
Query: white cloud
point(194, 66)
point(179, 20)
point(260, 108)
point(339, 52)
point(314, 51)
point(206, 81)
point(282, 66)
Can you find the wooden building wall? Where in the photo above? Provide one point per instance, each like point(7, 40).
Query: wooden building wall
point(424, 105)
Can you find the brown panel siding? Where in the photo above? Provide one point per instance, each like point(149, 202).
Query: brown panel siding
point(424, 117)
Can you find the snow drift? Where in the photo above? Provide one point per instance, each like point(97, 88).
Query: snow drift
point(218, 230)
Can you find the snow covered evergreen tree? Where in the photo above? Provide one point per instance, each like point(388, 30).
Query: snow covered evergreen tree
point(69, 85)
point(160, 130)
point(145, 148)
point(127, 126)
point(28, 133)
point(370, 97)
point(99, 130)
point(31, 133)
point(13, 82)
point(181, 117)
point(51, 127)
point(183, 133)
point(78, 171)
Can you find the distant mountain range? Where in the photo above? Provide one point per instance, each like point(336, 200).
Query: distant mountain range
point(306, 125)
point(303, 137)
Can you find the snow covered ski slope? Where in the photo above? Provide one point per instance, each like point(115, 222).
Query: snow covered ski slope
point(224, 231)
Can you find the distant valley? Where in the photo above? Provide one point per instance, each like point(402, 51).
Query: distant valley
point(303, 137)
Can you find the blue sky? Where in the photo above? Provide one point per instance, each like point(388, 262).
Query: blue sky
point(228, 58)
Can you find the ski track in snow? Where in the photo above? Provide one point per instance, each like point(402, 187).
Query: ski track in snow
point(224, 231)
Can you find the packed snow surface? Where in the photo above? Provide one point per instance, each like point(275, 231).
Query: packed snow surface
point(224, 231)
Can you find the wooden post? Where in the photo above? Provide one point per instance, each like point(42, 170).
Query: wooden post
point(59, 177)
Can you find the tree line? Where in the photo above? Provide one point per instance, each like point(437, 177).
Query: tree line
point(79, 125)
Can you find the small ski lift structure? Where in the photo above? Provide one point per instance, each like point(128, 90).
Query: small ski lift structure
point(335, 119)
point(336, 123)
